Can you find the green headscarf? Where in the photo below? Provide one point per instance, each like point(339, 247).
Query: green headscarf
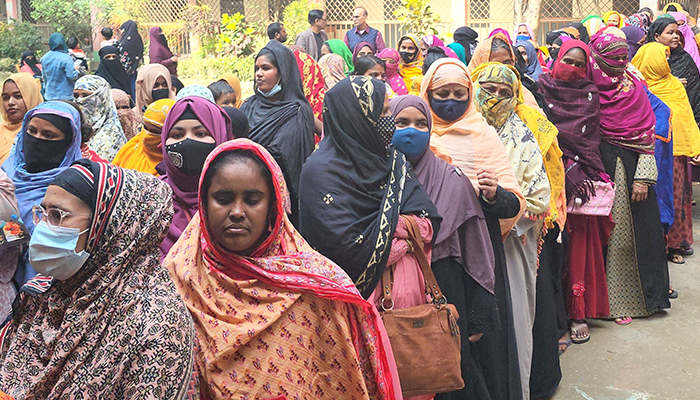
point(57, 42)
point(459, 50)
point(340, 48)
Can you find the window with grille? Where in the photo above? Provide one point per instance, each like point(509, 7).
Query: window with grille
point(626, 7)
point(556, 9)
point(389, 7)
point(479, 9)
point(339, 10)
point(25, 8)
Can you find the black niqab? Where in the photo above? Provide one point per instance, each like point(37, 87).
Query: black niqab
point(30, 62)
point(352, 191)
point(113, 71)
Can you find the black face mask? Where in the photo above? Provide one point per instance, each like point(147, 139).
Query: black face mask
point(42, 155)
point(189, 155)
point(407, 57)
point(159, 94)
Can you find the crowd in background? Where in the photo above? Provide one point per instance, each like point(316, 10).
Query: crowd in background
point(170, 242)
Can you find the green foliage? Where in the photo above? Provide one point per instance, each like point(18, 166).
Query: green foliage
point(210, 69)
point(199, 21)
point(417, 17)
point(238, 36)
point(296, 17)
point(17, 37)
point(8, 65)
point(69, 17)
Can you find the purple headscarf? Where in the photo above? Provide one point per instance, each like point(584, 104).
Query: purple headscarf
point(359, 47)
point(455, 198)
point(432, 41)
point(634, 35)
point(689, 44)
point(503, 31)
point(158, 49)
point(626, 117)
point(185, 187)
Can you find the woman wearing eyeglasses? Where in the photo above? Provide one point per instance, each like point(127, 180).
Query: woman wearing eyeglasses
point(103, 320)
point(48, 143)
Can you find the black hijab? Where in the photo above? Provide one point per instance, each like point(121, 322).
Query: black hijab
point(352, 191)
point(239, 122)
point(31, 63)
point(285, 127)
point(682, 65)
point(130, 47)
point(113, 71)
point(466, 36)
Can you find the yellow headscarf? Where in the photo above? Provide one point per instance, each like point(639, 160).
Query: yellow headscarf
point(679, 8)
point(651, 62)
point(546, 135)
point(30, 89)
point(235, 83)
point(142, 153)
point(409, 71)
point(607, 15)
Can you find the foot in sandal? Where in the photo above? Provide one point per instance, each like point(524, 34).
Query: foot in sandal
point(579, 331)
point(623, 320)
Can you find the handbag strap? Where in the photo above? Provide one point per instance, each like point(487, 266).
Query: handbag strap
point(415, 244)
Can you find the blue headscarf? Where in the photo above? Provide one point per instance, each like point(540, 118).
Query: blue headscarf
point(31, 187)
point(663, 152)
point(459, 50)
point(534, 69)
point(57, 42)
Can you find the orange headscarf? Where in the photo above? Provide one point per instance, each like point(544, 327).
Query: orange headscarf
point(283, 317)
point(235, 83)
point(469, 142)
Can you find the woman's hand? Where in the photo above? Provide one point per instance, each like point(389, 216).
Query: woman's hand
point(683, 81)
point(488, 183)
point(639, 192)
point(174, 58)
point(695, 160)
point(474, 338)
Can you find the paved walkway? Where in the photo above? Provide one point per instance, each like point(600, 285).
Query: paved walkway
point(656, 358)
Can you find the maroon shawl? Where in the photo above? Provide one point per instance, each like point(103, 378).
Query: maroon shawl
point(626, 117)
point(575, 110)
point(158, 49)
point(463, 233)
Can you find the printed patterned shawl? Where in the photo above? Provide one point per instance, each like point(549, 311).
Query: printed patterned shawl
point(312, 81)
point(99, 110)
point(117, 329)
point(279, 321)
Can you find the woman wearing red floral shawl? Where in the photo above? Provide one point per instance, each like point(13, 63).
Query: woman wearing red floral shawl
point(314, 87)
point(274, 318)
point(637, 273)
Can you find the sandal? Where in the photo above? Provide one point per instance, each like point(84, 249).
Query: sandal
point(672, 293)
point(576, 330)
point(675, 257)
point(564, 342)
point(686, 251)
point(623, 320)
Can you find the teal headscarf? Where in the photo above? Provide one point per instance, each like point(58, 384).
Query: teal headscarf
point(57, 42)
point(459, 50)
point(340, 48)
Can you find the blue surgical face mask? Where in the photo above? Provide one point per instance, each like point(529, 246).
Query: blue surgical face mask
point(275, 89)
point(449, 110)
point(411, 141)
point(52, 251)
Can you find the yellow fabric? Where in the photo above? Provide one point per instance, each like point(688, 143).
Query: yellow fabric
point(412, 70)
point(31, 94)
point(142, 153)
point(620, 17)
point(415, 86)
point(546, 135)
point(236, 85)
point(679, 7)
point(651, 62)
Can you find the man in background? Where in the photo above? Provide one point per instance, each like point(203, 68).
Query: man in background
point(363, 32)
point(275, 31)
point(312, 39)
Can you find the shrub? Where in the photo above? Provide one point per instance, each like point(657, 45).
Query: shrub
point(16, 37)
point(296, 17)
point(238, 35)
point(8, 65)
point(198, 20)
point(417, 17)
point(206, 71)
point(69, 17)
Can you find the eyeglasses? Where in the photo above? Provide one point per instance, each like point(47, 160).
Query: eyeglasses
point(53, 216)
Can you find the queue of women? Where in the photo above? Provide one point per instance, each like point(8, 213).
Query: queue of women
point(171, 243)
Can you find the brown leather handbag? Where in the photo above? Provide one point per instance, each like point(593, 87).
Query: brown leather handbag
point(425, 339)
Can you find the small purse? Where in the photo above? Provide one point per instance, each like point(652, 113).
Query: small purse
point(425, 339)
point(600, 204)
